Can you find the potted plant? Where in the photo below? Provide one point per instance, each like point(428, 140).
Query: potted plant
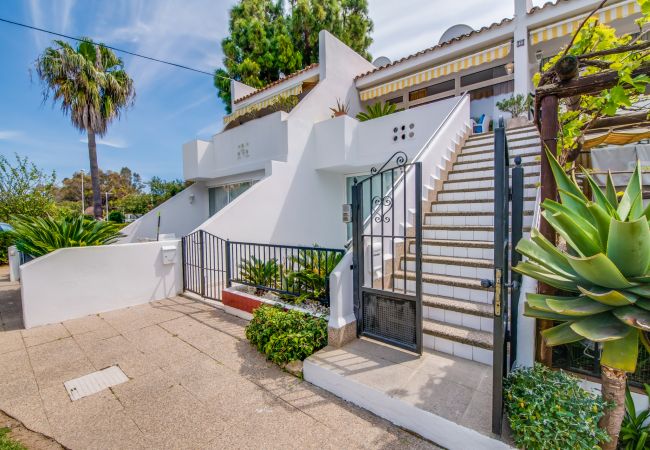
point(518, 106)
point(341, 109)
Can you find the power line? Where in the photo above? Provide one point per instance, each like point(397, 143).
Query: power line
point(112, 48)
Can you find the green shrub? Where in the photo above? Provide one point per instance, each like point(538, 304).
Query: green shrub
point(548, 410)
point(6, 240)
point(116, 216)
point(37, 236)
point(285, 336)
point(634, 430)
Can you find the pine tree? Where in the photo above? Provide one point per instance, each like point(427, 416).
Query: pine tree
point(266, 41)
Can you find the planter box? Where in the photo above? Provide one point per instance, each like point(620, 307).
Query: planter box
point(518, 122)
point(242, 304)
point(238, 302)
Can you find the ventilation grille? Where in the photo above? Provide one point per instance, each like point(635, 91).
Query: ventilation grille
point(390, 318)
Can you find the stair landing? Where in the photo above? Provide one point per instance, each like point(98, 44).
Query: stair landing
point(445, 399)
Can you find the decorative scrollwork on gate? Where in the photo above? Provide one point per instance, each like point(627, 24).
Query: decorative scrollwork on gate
point(380, 213)
point(400, 159)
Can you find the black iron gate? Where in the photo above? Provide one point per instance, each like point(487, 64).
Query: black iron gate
point(387, 240)
point(508, 230)
point(204, 264)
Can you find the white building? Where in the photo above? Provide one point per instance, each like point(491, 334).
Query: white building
point(279, 173)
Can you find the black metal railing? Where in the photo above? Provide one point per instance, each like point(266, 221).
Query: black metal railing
point(584, 358)
point(204, 264)
point(211, 263)
point(294, 271)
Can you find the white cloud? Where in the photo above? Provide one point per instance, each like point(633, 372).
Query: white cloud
point(10, 135)
point(113, 143)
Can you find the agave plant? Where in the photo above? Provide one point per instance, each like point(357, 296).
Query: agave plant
point(379, 109)
point(38, 236)
point(604, 273)
point(259, 274)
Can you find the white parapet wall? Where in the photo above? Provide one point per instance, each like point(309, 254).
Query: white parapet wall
point(179, 216)
point(75, 282)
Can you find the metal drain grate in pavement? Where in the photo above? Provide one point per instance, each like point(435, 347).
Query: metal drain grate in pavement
point(94, 382)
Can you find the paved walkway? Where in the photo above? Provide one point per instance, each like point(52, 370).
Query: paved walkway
point(195, 382)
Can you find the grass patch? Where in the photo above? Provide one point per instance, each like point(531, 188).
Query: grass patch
point(6, 443)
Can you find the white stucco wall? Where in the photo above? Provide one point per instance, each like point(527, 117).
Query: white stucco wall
point(76, 282)
point(179, 215)
point(347, 145)
point(295, 203)
point(244, 148)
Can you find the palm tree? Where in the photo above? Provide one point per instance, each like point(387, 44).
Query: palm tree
point(93, 87)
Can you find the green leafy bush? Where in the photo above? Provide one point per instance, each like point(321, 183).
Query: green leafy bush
point(516, 105)
point(285, 336)
point(37, 236)
point(116, 216)
point(548, 410)
point(634, 430)
point(379, 109)
point(6, 240)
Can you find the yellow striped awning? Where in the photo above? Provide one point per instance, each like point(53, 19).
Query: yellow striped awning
point(569, 26)
point(482, 57)
point(294, 90)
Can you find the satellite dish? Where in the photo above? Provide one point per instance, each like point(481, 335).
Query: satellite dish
point(381, 61)
point(454, 32)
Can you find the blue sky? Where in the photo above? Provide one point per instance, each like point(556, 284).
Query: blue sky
point(172, 105)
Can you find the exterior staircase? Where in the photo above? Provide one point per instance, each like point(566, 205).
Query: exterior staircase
point(458, 246)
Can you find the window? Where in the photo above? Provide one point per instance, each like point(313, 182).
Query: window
point(483, 75)
point(395, 100)
point(220, 196)
point(434, 89)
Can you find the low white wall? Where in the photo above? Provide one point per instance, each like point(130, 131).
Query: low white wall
point(341, 293)
point(75, 282)
point(179, 215)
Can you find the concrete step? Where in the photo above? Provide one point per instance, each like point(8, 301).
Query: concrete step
point(481, 233)
point(511, 134)
point(531, 139)
point(483, 161)
point(456, 248)
point(460, 288)
point(457, 340)
point(467, 195)
point(484, 172)
point(467, 219)
point(469, 206)
point(479, 182)
point(450, 265)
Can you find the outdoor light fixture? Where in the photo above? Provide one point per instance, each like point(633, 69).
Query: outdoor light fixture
point(509, 68)
point(538, 55)
point(191, 199)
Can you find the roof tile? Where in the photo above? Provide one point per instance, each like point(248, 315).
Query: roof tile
point(275, 83)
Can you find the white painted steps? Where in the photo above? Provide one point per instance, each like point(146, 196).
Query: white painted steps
point(458, 246)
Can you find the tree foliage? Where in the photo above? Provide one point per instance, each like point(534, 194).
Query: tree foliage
point(596, 48)
point(90, 84)
point(266, 41)
point(24, 189)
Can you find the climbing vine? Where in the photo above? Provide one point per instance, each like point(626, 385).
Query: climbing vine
point(596, 49)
